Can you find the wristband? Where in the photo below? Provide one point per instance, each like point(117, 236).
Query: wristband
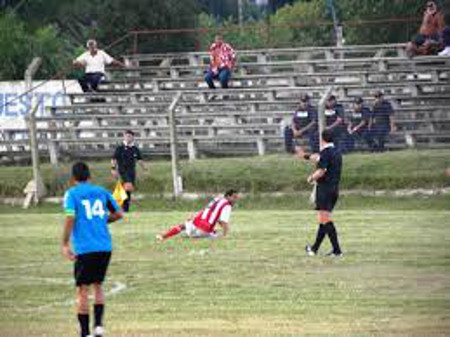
point(113, 167)
point(306, 156)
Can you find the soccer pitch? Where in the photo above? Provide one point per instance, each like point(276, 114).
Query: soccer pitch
point(394, 279)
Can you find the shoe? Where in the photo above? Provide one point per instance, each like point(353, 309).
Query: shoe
point(98, 331)
point(159, 237)
point(333, 254)
point(309, 251)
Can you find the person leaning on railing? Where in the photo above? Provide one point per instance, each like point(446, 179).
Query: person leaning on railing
point(304, 125)
point(382, 122)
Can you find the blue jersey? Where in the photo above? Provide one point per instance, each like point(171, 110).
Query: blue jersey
point(90, 205)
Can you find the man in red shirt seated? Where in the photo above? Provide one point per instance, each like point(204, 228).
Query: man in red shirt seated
point(223, 58)
point(428, 40)
point(203, 223)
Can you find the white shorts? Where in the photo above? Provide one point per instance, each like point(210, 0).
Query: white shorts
point(194, 232)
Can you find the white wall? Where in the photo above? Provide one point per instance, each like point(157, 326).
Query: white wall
point(51, 93)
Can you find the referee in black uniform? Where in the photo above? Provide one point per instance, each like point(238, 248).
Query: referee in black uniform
point(123, 164)
point(327, 176)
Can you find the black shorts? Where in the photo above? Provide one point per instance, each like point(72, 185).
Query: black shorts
point(128, 177)
point(91, 268)
point(326, 197)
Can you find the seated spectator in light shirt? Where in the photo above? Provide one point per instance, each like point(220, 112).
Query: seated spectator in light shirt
point(428, 39)
point(93, 62)
point(223, 58)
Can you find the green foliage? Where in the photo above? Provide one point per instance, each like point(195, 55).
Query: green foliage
point(354, 10)
point(310, 15)
point(15, 51)
point(18, 46)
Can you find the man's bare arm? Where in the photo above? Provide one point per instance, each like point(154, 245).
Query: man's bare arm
point(336, 123)
point(68, 227)
point(306, 128)
point(225, 228)
point(113, 217)
point(317, 174)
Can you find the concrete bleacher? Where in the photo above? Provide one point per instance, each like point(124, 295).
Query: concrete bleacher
point(248, 117)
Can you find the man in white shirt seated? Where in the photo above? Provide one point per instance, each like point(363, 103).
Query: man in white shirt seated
point(93, 62)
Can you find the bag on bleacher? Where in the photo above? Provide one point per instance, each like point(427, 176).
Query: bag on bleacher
point(119, 193)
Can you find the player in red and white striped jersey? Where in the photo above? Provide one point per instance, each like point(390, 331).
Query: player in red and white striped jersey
point(203, 224)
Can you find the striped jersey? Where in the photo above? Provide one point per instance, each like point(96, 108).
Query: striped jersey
point(218, 210)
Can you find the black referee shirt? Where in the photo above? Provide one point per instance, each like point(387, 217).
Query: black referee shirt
point(126, 157)
point(331, 162)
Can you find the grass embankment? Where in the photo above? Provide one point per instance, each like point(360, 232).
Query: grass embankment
point(273, 173)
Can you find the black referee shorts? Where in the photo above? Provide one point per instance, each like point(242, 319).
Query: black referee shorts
point(326, 197)
point(128, 177)
point(91, 268)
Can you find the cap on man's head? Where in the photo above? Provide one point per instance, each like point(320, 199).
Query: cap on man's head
point(80, 171)
point(331, 98)
point(358, 100)
point(327, 136)
point(304, 98)
point(378, 94)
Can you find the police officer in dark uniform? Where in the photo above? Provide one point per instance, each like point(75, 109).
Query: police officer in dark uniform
point(382, 121)
point(334, 121)
point(359, 125)
point(123, 164)
point(304, 124)
point(326, 177)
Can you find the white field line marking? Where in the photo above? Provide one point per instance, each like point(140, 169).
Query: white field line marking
point(117, 288)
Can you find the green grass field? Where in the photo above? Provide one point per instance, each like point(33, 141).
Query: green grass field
point(394, 279)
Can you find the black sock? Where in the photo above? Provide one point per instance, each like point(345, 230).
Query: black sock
point(332, 234)
point(84, 324)
point(126, 203)
point(98, 314)
point(321, 232)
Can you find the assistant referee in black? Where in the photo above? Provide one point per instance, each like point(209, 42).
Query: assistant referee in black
point(123, 164)
point(327, 176)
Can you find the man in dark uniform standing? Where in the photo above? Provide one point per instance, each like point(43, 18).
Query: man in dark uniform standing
point(304, 124)
point(123, 164)
point(359, 125)
point(327, 176)
point(334, 121)
point(382, 121)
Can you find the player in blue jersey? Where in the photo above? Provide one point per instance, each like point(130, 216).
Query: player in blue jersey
point(87, 242)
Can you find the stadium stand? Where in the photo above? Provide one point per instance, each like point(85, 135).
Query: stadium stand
point(248, 117)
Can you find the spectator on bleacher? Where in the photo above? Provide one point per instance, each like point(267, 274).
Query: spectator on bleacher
point(334, 121)
point(382, 122)
point(359, 125)
point(446, 37)
point(223, 58)
point(93, 61)
point(304, 124)
point(428, 40)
